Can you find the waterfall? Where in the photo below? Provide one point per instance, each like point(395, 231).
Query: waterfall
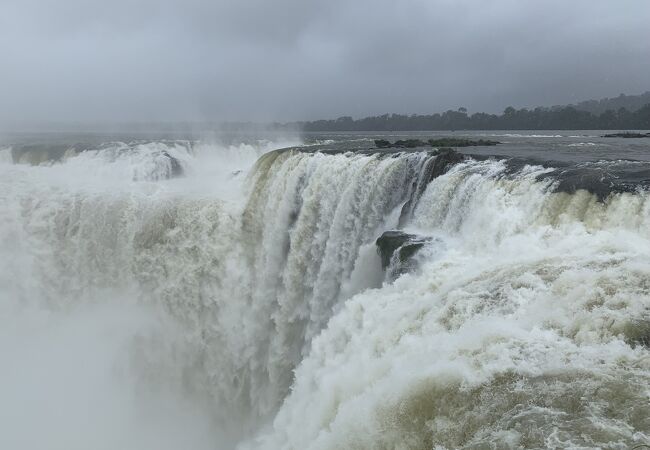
point(254, 291)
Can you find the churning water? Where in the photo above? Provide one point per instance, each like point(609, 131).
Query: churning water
point(175, 294)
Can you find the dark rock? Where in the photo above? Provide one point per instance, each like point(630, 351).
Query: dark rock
point(176, 167)
point(445, 159)
point(627, 135)
point(395, 241)
point(456, 142)
point(439, 143)
point(382, 143)
point(409, 143)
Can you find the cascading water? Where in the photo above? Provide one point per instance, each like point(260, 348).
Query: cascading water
point(251, 289)
point(526, 329)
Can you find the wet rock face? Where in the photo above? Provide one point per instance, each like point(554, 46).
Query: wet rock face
point(398, 248)
point(176, 167)
point(382, 143)
point(438, 165)
point(445, 159)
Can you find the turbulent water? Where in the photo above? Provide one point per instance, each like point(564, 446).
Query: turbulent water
point(186, 294)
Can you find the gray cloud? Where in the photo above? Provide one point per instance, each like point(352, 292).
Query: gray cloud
point(124, 60)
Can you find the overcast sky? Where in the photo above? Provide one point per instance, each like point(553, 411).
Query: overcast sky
point(142, 60)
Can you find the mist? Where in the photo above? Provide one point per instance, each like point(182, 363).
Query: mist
point(70, 382)
point(123, 61)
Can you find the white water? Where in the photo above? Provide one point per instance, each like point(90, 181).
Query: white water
point(153, 313)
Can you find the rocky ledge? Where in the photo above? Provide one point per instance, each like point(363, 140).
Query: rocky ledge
point(398, 248)
point(439, 143)
point(627, 135)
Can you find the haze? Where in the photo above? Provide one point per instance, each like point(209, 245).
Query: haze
point(164, 60)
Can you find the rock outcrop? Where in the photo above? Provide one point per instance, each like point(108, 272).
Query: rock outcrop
point(627, 135)
point(176, 169)
point(438, 143)
point(397, 248)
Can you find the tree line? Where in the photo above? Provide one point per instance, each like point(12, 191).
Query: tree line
point(563, 118)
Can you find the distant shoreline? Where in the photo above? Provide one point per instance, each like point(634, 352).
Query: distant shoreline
point(567, 118)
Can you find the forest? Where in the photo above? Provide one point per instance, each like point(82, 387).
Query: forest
point(557, 118)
